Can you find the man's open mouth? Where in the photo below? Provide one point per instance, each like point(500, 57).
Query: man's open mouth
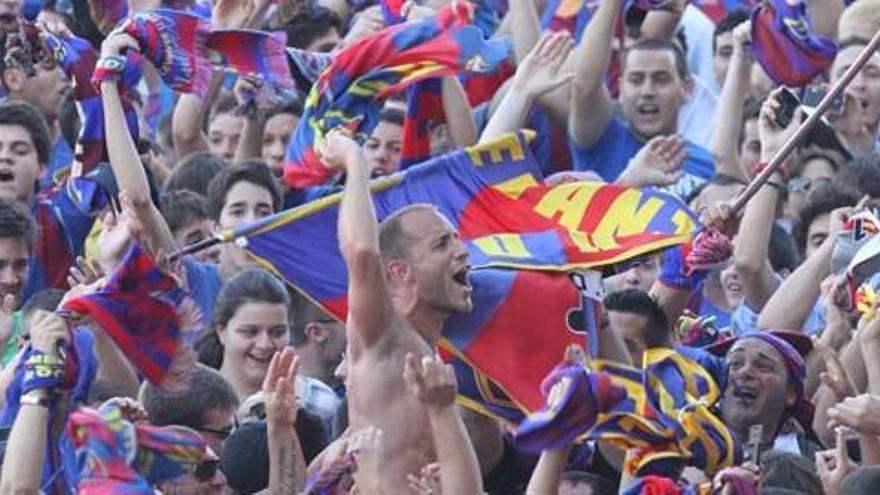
point(461, 276)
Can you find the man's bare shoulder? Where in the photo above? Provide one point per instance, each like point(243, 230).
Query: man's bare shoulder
point(397, 339)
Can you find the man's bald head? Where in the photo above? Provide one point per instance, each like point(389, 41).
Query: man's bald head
point(394, 239)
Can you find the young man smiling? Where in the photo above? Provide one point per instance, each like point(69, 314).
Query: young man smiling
point(63, 218)
point(654, 85)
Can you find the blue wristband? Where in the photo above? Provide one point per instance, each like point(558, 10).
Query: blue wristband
point(42, 371)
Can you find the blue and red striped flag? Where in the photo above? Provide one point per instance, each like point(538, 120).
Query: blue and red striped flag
point(349, 93)
point(424, 112)
point(175, 43)
point(424, 100)
point(716, 10)
point(145, 312)
point(77, 58)
point(568, 15)
point(392, 11)
point(785, 44)
point(507, 219)
point(251, 53)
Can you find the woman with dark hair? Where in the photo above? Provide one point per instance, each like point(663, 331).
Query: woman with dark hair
point(250, 324)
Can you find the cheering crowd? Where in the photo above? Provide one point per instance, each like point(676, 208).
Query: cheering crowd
point(161, 331)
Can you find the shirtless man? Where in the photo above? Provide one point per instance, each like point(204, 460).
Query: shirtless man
point(405, 278)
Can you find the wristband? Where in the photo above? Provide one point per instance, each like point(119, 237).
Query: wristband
point(760, 166)
point(33, 400)
point(42, 371)
point(108, 68)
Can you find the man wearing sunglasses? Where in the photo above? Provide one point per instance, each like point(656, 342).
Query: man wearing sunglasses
point(208, 406)
point(206, 479)
point(811, 172)
point(44, 86)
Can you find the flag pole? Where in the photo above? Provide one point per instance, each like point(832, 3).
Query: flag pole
point(196, 247)
point(789, 146)
point(228, 235)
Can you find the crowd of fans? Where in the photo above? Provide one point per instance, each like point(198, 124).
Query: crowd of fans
point(287, 399)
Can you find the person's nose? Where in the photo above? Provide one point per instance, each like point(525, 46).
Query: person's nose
point(9, 275)
point(264, 342)
point(461, 253)
point(858, 84)
point(219, 480)
point(228, 149)
point(647, 90)
point(744, 372)
point(632, 278)
point(276, 150)
point(5, 154)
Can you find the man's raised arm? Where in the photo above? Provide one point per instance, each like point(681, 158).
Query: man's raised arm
point(591, 108)
point(369, 304)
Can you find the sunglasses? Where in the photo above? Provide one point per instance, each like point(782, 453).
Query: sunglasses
point(223, 434)
point(803, 184)
point(207, 469)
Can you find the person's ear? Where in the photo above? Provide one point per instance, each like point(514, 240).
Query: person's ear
point(315, 332)
point(399, 270)
point(687, 88)
point(790, 397)
point(221, 334)
point(13, 79)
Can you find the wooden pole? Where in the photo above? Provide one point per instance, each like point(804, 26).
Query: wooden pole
point(789, 146)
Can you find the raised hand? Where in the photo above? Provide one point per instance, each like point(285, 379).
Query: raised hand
point(233, 14)
point(720, 217)
point(431, 381)
point(246, 89)
point(539, 72)
point(117, 43)
point(338, 150)
point(835, 376)
point(862, 413)
point(84, 272)
point(279, 387)
point(658, 163)
point(47, 330)
point(771, 135)
point(54, 27)
point(742, 39)
point(833, 465)
point(131, 410)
